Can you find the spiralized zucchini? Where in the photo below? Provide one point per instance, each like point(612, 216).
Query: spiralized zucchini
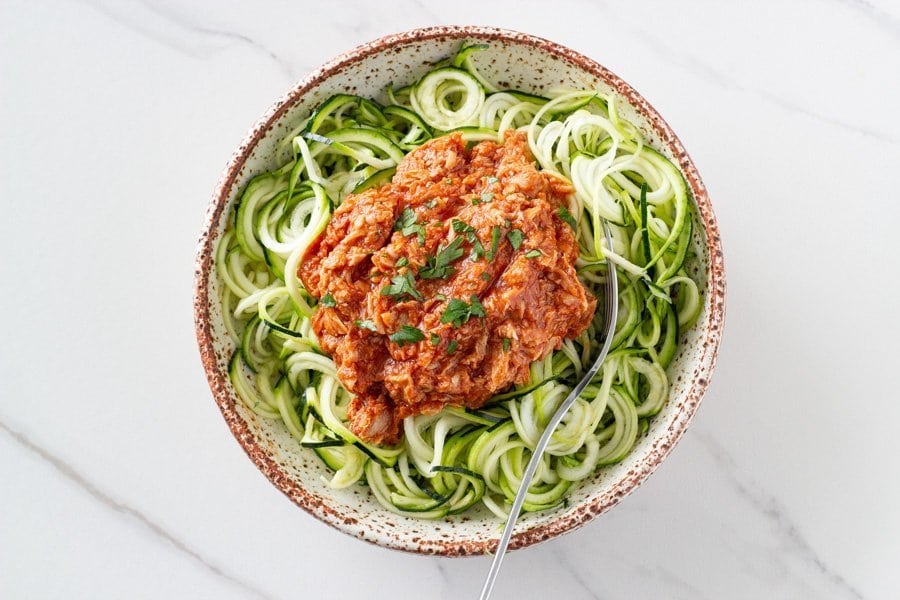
point(454, 460)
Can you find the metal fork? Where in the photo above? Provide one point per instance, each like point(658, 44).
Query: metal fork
point(612, 305)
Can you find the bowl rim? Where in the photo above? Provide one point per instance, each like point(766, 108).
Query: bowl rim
point(587, 510)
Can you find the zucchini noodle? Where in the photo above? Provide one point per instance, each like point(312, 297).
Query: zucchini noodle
point(459, 458)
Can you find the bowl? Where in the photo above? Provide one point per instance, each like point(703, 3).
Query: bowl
point(515, 60)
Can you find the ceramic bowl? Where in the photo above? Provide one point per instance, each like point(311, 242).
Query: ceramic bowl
point(514, 60)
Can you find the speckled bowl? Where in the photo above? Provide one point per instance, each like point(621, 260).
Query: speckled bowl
point(515, 60)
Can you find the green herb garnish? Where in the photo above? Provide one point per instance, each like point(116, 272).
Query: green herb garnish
point(506, 344)
point(408, 225)
point(462, 226)
point(438, 266)
point(496, 234)
point(401, 262)
point(485, 275)
point(451, 347)
point(459, 311)
point(435, 339)
point(566, 216)
point(477, 250)
point(487, 196)
point(469, 231)
point(533, 253)
point(407, 334)
point(515, 238)
point(492, 179)
point(365, 324)
point(402, 285)
point(407, 218)
point(327, 301)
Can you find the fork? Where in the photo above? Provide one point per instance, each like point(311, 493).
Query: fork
point(612, 305)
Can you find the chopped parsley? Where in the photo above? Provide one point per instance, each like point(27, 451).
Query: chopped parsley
point(402, 285)
point(462, 227)
point(327, 301)
point(477, 250)
point(496, 234)
point(452, 346)
point(566, 216)
point(407, 334)
point(459, 311)
point(401, 262)
point(484, 198)
point(485, 275)
point(471, 237)
point(515, 238)
point(506, 344)
point(435, 339)
point(407, 218)
point(438, 266)
point(431, 203)
point(533, 253)
point(492, 179)
point(408, 225)
point(365, 324)
point(440, 297)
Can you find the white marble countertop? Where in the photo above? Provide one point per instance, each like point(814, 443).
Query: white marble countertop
point(120, 478)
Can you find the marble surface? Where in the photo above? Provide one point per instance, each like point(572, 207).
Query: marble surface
point(121, 480)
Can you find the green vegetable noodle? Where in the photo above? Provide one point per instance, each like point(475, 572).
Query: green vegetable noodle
point(450, 462)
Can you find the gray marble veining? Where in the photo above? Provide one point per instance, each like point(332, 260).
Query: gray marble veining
point(126, 511)
point(670, 53)
point(772, 510)
point(177, 31)
point(884, 20)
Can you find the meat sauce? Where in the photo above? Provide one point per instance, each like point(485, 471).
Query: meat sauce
point(444, 284)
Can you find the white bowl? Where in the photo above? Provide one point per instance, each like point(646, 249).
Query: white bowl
point(514, 60)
